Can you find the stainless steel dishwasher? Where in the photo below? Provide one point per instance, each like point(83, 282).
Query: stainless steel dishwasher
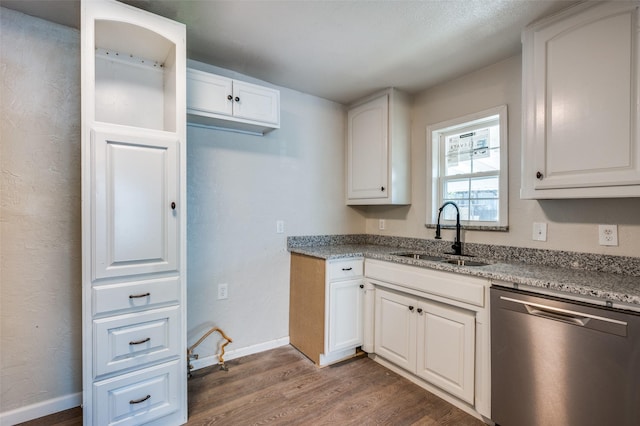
point(559, 363)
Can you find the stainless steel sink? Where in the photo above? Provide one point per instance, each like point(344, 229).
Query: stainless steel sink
point(465, 262)
point(420, 256)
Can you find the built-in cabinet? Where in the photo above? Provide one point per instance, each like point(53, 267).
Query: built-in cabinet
point(133, 216)
point(581, 85)
point(225, 103)
point(379, 149)
point(326, 307)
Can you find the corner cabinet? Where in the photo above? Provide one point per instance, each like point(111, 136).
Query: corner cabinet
point(133, 216)
point(379, 150)
point(220, 102)
point(581, 86)
point(326, 307)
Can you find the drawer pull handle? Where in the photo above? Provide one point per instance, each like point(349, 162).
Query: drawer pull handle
point(138, 401)
point(137, 296)
point(139, 342)
point(347, 269)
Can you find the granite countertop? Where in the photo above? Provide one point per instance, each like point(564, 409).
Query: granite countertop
point(606, 288)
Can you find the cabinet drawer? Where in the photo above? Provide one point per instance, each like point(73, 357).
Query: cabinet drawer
point(344, 269)
point(136, 295)
point(132, 340)
point(138, 397)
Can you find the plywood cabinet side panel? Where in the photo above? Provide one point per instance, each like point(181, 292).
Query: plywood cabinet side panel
point(307, 305)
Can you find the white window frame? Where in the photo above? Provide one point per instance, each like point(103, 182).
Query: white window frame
point(434, 157)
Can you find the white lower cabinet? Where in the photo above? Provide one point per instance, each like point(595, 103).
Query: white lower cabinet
point(143, 396)
point(433, 326)
point(433, 341)
point(445, 348)
point(345, 314)
point(326, 307)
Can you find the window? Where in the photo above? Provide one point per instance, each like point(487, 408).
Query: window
point(469, 162)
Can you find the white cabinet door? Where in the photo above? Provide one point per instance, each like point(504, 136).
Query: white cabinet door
point(209, 93)
point(345, 314)
point(395, 328)
point(136, 178)
point(580, 82)
point(446, 348)
point(256, 103)
point(368, 147)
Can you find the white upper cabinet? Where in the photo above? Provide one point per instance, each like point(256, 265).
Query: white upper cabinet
point(378, 150)
point(220, 102)
point(581, 90)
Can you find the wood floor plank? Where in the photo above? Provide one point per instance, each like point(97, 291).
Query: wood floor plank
point(283, 387)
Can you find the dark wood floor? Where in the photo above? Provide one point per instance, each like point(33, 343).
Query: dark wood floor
point(281, 386)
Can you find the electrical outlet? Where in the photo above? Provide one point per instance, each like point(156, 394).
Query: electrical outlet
point(279, 226)
point(223, 291)
point(381, 224)
point(608, 235)
point(539, 231)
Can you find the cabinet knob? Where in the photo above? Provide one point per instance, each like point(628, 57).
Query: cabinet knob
point(229, 97)
point(539, 175)
point(173, 205)
point(382, 188)
point(419, 310)
point(361, 285)
point(411, 308)
point(237, 99)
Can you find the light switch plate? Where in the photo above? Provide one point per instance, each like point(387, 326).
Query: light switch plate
point(539, 231)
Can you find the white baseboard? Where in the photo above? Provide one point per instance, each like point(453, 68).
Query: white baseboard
point(40, 409)
point(240, 352)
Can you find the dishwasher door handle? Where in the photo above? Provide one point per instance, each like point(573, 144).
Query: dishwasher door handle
point(581, 319)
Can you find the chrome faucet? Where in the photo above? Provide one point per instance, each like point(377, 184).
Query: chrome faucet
point(457, 244)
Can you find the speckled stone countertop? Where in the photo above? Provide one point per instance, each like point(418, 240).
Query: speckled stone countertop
point(598, 278)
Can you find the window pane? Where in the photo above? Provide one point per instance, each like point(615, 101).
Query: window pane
point(485, 187)
point(472, 151)
point(484, 210)
point(449, 212)
point(456, 189)
point(486, 160)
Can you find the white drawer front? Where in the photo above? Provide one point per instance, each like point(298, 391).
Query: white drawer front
point(345, 269)
point(136, 295)
point(132, 340)
point(138, 397)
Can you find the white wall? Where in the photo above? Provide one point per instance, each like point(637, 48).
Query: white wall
point(572, 224)
point(238, 187)
point(40, 294)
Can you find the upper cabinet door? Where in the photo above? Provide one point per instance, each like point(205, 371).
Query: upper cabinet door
point(368, 145)
point(137, 210)
point(580, 87)
point(378, 150)
point(256, 103)
point(209, 93)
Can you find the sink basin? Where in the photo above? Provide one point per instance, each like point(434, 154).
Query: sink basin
point(420, 256)
point(465, 262)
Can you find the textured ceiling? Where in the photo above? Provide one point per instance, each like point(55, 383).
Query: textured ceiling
point(339, 50)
